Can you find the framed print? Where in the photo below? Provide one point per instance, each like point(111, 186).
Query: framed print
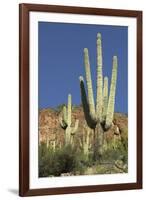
point(80, 100)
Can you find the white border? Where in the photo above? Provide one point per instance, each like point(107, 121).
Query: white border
point(130, 177)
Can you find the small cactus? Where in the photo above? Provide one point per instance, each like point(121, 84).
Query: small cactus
point(66, 122)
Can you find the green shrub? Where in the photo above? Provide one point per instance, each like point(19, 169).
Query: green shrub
point(46, 161)
point(71, 160)
point(118, 153)
point(65, 160)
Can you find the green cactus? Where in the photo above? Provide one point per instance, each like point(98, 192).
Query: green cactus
point(89, 85)
point(100, 116)
point(105, 98)
point(85, 143)
point(65, 122)
point(111, 102)
point(99, 86)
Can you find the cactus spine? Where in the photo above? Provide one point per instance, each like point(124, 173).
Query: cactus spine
point(101, 115)
point(65, 122)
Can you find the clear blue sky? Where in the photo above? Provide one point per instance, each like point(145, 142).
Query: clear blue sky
point(61, 61)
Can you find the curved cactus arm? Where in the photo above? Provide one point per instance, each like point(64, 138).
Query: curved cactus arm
point(75, 128)
point(89, 84)
point(111, 102)
point(105, 97)
point(69, 110)
point(90, 121)
point(63, 118)
point(84, 97)
point(99, 86)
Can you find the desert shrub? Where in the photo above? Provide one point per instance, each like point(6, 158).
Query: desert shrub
point(123, 151)
point(90, 160)
point(118, 153)
point(65, 160)
point(46, 161)
point(124, 137)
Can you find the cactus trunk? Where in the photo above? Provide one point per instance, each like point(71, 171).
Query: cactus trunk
point(86, 142)
point(100, 139)
point(68, 135)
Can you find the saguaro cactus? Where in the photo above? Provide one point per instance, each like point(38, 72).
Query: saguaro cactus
point(66, 122)
point(85, 143)
point(100, 116)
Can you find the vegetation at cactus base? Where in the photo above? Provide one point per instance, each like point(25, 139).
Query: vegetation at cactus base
point(70, 161)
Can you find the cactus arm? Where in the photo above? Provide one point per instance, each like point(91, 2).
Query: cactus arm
point(63, 118)
point(69, 110)
point(91, 123)
point(99, 87)
point(105, 97)
point(62, 122)
point(111, 102)
point(64, 114)
point(84, 99)
point(89, 84)
point(75, 128)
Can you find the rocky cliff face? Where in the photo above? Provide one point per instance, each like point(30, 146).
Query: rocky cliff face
point(51, 132)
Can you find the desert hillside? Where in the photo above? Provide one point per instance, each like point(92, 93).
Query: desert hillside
point(57, 159)
point(50, 129)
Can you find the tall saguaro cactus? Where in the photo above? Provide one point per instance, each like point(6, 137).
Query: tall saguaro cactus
point(100, 116)
point(66, 121)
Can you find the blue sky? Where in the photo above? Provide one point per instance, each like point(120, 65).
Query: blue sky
point(61, 61)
